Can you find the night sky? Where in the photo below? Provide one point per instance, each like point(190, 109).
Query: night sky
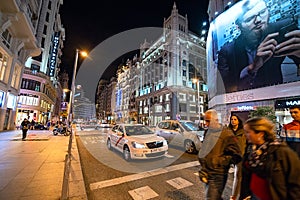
point(87, 24)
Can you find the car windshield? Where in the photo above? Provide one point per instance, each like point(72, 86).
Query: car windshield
point(190, 126)
point(138, 130)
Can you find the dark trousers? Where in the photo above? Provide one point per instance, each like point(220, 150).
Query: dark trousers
point(215, 186)
point(24, 131)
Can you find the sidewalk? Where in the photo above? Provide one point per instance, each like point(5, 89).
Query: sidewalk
point(34, 169)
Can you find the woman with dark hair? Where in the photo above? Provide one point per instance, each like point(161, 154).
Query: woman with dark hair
point(236, 125)
point(270, 167)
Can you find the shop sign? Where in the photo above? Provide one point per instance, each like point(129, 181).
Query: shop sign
point(243, 108)
point(53, 54)
point(293, 103)
point(287, 103)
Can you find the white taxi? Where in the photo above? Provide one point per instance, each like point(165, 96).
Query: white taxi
point(136, 141)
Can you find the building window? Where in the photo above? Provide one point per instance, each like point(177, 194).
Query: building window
point(193, 109)
point(47, 17)
point(167, 107)
point(6, 36)
point(31, 85)
point(182, 107)
point(16, 77)
point(49, 5)
point(182, 96)
point(45, 30)
point(3, 65)
point(43, 42)
point(200, 99)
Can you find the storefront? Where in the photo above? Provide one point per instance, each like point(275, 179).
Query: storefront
point(282, 109)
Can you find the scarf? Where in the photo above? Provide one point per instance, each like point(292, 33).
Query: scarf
point(257, 157)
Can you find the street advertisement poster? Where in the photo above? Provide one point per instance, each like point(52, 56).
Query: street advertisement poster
point(253, 45)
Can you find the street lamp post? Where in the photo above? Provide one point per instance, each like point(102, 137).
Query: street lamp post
point(71, 99)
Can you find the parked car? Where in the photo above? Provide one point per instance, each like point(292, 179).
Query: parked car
point(136, 141)
point(89, 126)
point(105, 125)
point(183, 133)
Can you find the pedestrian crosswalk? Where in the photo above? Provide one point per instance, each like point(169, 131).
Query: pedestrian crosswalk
point(146, 192)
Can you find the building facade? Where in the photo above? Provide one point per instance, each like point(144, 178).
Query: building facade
point(84, 109)
point(18, 22)
point(162, 82)
point(41, 93)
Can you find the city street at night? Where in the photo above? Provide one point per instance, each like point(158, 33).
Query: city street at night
point(107, 175)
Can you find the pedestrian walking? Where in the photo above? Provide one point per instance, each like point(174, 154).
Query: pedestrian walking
point(236, 125)
point(270, 167)
point(219, 150)
point(291, 131)
point(24, 125)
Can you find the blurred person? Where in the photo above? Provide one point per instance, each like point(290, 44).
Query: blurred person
point(219, 150)
point(254, 58)
point(236, 125)
point(32, 124)
point(291, 131)
point(270, 167)
point(24, 125)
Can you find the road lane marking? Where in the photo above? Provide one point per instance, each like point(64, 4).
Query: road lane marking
point(143, 193)
point(179, 183)
point(133, 177)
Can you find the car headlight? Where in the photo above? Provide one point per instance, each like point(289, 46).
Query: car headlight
point(200, 137)
point(165, 143)
point(138, 145)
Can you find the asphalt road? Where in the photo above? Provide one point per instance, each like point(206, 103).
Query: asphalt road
point(108, 176)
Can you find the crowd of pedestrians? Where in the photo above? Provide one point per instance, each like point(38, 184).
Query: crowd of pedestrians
point(266, 167)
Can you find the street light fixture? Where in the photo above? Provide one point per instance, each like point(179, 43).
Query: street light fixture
point(195, 80)
point(71, 99)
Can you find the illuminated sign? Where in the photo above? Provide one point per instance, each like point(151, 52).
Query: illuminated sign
point(53, 54)
point(64, 105)
point(1, 98)
point(287, 103)
point(11, 102)
point(119, 97)
point(292, 103)
point(243, 108)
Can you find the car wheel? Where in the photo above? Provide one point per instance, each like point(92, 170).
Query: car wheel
point(126, 153)
point(189, 146)
point(108, 144)
point(55, 132)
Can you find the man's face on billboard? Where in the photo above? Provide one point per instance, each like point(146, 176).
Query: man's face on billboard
point(255, 19)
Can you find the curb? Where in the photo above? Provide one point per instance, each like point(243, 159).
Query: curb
point(76, 182)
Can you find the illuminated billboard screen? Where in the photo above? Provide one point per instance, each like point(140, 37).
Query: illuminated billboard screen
point(254, 44)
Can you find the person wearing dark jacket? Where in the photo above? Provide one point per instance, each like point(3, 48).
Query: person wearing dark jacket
point(270, 167)
point(25, 123)
point(219, 150)
point(236, 125)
